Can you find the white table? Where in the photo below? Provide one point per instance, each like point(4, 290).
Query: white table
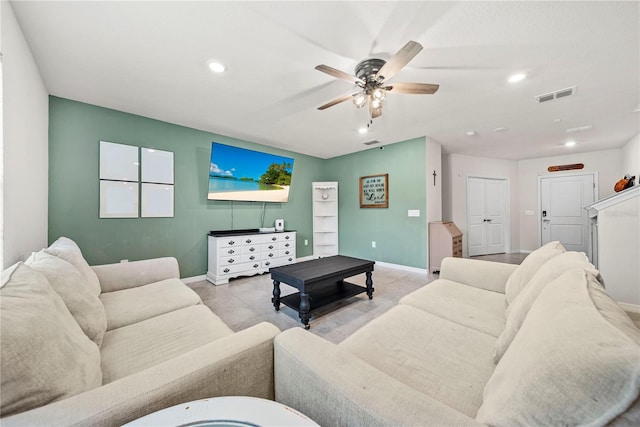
point(228, 411)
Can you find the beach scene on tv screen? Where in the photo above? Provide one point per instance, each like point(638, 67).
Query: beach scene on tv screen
point(247, 175)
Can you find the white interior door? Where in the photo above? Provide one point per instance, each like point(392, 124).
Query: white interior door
point(562, 213)
point(487, 219)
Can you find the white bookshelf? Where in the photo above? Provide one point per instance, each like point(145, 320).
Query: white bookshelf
point(325, 218)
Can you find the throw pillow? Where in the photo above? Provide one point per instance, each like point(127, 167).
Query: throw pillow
point(525, 271)
point(546, 274)
point(67, 249)
point(85, 306)
point(45, 356)
point(569, 364)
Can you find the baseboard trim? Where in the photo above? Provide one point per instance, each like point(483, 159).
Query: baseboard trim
point(523, 251)
point(633, 308)
point(203, 277)
point(402, 267)
point(194, 279)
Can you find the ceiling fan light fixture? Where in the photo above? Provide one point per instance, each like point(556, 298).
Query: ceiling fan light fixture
point(359, 100)
point(379, 94)
point(376, 103)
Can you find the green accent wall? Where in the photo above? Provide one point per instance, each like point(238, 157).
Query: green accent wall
point(399, 239)
point(75, 130)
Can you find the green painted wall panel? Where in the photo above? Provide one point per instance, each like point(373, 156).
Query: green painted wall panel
point(399, 239)
point(75, 130)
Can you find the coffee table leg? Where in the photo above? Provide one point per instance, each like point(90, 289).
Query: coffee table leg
point(304, 309)
point(369, 283)
point(276, 295)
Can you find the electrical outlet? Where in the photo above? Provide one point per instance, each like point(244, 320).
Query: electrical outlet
point(306, 242)
point(373, 244)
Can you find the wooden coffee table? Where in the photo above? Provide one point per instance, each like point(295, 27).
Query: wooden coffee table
point(320, 282)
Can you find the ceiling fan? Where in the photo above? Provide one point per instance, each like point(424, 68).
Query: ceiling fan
point(371, 76)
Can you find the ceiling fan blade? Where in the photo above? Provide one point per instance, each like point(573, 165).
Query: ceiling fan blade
point(337, 100)
point(419, 88)
point(399, 60)
point(339, 74)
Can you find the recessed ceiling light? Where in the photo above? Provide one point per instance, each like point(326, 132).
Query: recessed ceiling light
point(217, 67)
point(363, 130)
point(471, 133)
point(557, 120)
point(517, 77)
point(501, 129)
point(570, 144)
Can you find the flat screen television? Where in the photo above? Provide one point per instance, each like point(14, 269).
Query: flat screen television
point(247, 175)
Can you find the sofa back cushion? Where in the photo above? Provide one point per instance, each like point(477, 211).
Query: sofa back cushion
point(80, 298)
point(546, 274)
point(575, 361)
point(529, 266)
point(67, 249)
point(45, 356)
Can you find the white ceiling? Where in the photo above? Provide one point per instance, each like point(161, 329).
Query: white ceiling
point(150, 58)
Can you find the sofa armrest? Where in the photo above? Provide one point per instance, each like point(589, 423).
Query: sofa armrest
point(488, 275)
point(124, 275)
point(334, 387)
point(237, 365)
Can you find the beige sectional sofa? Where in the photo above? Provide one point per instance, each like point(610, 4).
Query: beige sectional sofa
point(107, 344)
point(486, 344)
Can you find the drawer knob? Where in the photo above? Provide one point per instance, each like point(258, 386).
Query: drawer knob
point(230, 260)
point(270, 255)
point(230, 251)
point(252, 249)
point(286, 253)
point(231, 242)
point(226, 270)
point(287, 237)
point(252, 257)
point(290, 259)
point(256, 265)
point(286, 245)
point(270, 246)
point(267, 263)
point(248, 241)
point(273, 238)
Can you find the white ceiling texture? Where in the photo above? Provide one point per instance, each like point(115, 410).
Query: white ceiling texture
point(151, 58)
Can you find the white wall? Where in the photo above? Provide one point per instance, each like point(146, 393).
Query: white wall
point(456, 168)
point(434, 192)
point(631, 158)
point(618, 248)
point(607, 163)
point(25, 145)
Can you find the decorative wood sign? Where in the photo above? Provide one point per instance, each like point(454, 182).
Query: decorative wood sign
point(560, 168)
point(374, 191)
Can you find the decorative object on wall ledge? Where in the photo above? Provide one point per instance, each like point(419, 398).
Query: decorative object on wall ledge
point(561, 168)
point(118, 180)
point(374, 191)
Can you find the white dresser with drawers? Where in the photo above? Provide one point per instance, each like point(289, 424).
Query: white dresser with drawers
point(247, 252)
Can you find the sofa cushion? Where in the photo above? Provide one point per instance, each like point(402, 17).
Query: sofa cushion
point(80, 299)
point(133, 305)
point(468, 306)
point(67, 249)
point(546, 274)
point(444, 360)
point(529, 266)
point(45, 356)
point(575, 361)
point(132, 348)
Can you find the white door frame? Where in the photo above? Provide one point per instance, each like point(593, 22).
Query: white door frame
point(541, 177)
point(507, 237)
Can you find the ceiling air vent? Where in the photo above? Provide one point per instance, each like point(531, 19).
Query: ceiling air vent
point(562, 93)
point(373, 142)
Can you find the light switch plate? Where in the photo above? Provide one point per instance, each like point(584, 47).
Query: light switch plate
point(413, 212)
